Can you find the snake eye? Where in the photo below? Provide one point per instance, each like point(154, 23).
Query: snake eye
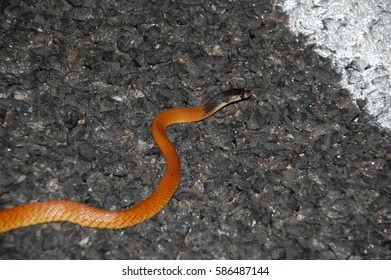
point(246, 93)
point(238, 94)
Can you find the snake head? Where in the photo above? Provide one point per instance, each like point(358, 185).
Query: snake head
point(224, 98)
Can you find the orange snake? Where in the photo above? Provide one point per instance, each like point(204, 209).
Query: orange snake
point(84, 215)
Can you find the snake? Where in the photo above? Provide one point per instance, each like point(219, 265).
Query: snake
point(85, 215)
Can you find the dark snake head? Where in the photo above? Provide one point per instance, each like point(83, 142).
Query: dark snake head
point(224, 98)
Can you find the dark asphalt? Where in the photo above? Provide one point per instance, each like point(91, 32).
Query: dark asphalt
point(298, 171)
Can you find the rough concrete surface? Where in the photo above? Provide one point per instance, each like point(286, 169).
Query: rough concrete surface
point(298, 171)
point(356, 36)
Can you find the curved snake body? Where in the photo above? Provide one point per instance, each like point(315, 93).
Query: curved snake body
point(82, 214)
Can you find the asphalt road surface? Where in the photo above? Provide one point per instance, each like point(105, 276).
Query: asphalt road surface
point(298, 171)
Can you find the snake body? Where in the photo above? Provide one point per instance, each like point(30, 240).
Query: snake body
point(88, 216)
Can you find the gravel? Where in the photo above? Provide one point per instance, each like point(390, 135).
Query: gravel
point(356, 36)
point(298, 171)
